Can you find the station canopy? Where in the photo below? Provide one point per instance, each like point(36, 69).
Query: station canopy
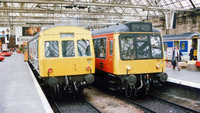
point(88, 13)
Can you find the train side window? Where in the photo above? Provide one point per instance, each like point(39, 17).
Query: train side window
point(100, 47)
point(83, 48)
point(111, 47)
point(68, 49)
point(51, 49)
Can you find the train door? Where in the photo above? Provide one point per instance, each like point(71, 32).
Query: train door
point(25, 51)
point(198, 50)
point(195, 45)
point(110, 54)
point(100, 47)
point(176, 43)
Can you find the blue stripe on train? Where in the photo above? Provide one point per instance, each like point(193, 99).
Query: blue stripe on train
point(169, 44)
point(184, 46)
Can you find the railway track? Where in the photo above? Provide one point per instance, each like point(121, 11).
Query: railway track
point(153, 104)
point(74, 105)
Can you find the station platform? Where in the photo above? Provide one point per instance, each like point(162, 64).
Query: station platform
point(19, 90)
point(184, 77)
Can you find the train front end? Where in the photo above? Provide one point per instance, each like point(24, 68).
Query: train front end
point(140, 58)
point(66, 59)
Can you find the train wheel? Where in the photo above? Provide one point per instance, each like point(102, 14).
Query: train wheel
point(130, 90)
point(53, 91)
point(59, 90)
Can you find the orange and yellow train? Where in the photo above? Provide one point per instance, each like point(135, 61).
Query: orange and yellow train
point(63, 57)
point(129, 57)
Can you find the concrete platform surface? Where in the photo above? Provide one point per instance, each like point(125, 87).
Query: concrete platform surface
point(19, 90)
point(185, 77)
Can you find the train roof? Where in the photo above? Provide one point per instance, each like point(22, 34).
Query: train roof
point(37, 35)
point(128, 27)
point(181, 36)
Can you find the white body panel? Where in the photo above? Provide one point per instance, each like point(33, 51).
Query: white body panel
point(33, 52)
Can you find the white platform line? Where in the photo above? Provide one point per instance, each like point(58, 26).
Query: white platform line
point(43, 98)
point(183, 82)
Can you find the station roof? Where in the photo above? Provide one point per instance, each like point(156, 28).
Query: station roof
point(88, 13)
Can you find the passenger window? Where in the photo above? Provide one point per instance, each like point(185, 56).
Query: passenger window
point(183, 46)
point(68, 49)
point(83, 47)
point(111, 47)
point(100, 47)
point(51, 49)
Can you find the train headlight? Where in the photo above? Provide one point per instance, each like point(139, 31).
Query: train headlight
point(157, 66)
point(50, 70)
point(88, 68)
point(129, 68)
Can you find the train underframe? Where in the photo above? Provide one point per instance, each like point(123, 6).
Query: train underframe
point(60, 84)
point(138, 84)
point(69, 84)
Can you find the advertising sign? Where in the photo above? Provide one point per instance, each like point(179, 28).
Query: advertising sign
point(169, 53)
point(30, 31)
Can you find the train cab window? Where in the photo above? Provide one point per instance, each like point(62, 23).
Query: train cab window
point(143, 49)
point(68, 49)
point(111, 47)
point(100, 47)
point(127, 47)
point(156, 47)
point(51, 49)
point(83, 47)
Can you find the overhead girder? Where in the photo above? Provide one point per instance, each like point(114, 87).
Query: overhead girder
point(99, 11)
point(95, 4)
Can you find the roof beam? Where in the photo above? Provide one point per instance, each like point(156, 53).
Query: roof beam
point(95, 4)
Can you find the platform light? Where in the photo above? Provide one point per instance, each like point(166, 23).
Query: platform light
point(88, 68)
point(50, 70)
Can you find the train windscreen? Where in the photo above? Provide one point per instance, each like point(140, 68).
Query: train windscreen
point(140, 46)
point(83, 48)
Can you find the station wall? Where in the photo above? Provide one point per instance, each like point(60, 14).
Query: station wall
point(185, 22)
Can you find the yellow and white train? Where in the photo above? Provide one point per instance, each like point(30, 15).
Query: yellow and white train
point(64, 58)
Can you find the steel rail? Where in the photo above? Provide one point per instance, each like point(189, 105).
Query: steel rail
point(146, 109)
point(189, 110)
point(93, 106)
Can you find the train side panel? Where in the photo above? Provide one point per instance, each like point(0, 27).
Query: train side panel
point(104, 63)
point(198, 54)
point(33, 54)
point(184, 45)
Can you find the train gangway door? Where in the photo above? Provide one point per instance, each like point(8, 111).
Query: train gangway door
point(110, 54)
point(25, 51)
point(198, 50)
